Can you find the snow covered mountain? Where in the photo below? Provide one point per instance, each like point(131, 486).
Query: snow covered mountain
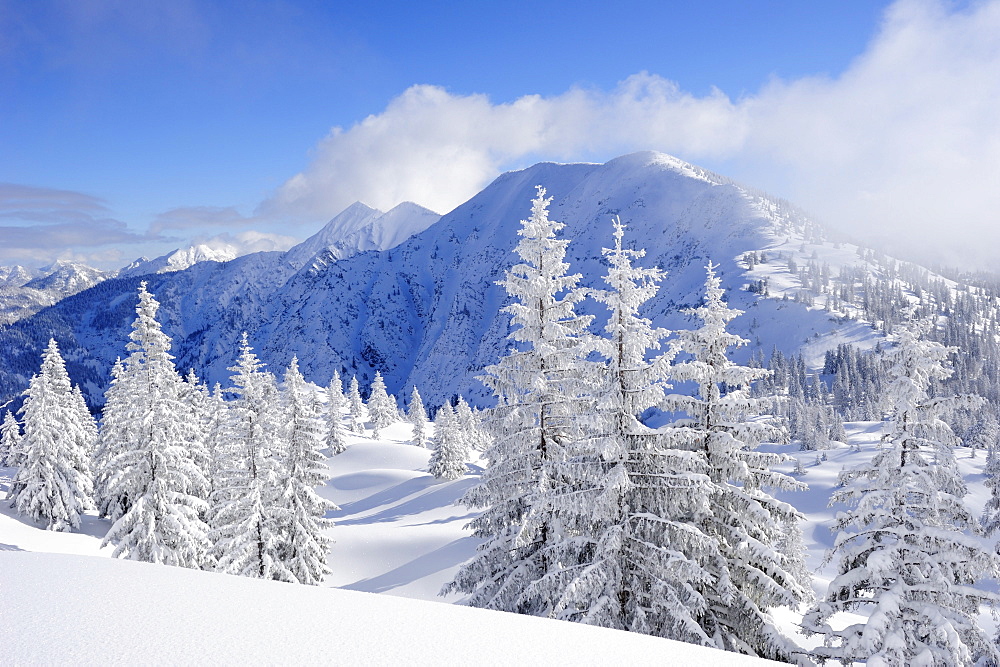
point(427, 311)
point(359, 228)
point(24, 292)
point(178, 260)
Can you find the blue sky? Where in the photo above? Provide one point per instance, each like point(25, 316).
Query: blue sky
point(131, 127)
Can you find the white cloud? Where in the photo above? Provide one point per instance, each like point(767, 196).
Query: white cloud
point(906, 141)
point(248, 241)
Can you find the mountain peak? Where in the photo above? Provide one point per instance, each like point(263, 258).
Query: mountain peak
point(360, 227)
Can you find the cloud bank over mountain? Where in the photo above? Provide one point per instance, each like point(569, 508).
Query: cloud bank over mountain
point(905, 142)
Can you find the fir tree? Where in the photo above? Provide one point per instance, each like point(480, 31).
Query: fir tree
point(10, 438)
point(751, 576)
point(305, 545)
point(202, 410)
point(418, 417)
point(472, 429)
point(154, 469)
point(635, 490)
point(53, 483)
point(336, 439)
point(538, 388)
point(381, 410)
point(908, 561)
point(87, 438)
point(990, 519)
point(356, 405)
point(116, 432)
point(217, 431)
point(451, 451)
point(247, 517)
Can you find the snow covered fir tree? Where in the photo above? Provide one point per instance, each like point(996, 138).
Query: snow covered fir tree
point(539, 388)
point(54, 483)
point(908, 560)
point(151, 487)
point(651, 448)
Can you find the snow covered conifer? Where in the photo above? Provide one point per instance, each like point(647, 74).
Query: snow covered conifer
point(724, 428)
point(634, 490)
point(10, 438)
point(53, 483)
point(472, 429)
point(909, 563)
point(153, 468)
point(381, 411)
point(539, 393)
point(451, 452)
point(88, 432)
point(305, 546)
point(216, 435)
point(201, 410)
point(335, 403)
point(247, 517)
point(418, 417)
point(356, 405)
point(116, 431)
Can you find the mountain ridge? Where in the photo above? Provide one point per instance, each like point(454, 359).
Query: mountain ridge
point(426, 312)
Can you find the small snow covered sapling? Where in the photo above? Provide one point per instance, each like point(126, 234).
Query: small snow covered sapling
point(356, 405)
point(451, 450)
point(10, 437)
point(381, 409)
point(335, 404)
point(418, 417)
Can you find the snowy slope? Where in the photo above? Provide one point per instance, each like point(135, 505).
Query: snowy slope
point(399, 532)
point(60, 610)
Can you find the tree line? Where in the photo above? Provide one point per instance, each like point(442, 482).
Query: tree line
point(218, 480)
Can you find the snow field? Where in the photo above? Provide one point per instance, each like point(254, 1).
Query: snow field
point(398, 532)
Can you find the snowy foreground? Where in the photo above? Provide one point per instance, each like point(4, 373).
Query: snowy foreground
point(398, 532)
point(60, 609)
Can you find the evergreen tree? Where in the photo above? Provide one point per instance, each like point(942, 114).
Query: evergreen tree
point(636, 562)
point(154, 469)
point(381, 410)
point(538, 390)
point(217, 431)
point(472, 429)
point(115, 434)
point(356, 405)
point(723, 427)
point(10, 438)
point(907, 560)
point(336, 439)
point(418, 417)
point(54, 482)
point(247, 517)
point(990, 519)
point(451, 451)
point(305, 545)
point(87, 438)
point(202, 412)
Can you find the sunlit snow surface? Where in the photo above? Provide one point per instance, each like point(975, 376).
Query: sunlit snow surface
point(399, 532)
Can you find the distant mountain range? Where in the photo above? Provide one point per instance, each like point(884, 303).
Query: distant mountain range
point(414, 295)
